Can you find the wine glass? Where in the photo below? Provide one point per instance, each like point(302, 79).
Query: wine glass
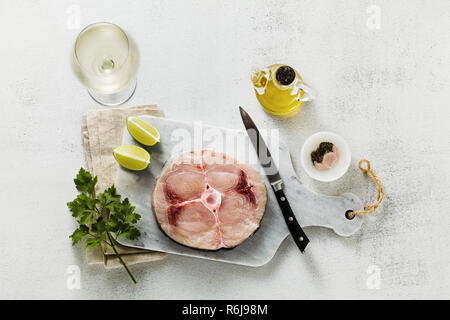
point(105, 59)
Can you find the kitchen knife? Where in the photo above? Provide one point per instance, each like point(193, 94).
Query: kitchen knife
point(275, 180)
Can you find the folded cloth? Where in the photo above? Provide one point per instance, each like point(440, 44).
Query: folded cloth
point(102, 131)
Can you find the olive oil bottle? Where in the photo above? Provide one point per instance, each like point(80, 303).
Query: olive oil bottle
point(280, 89)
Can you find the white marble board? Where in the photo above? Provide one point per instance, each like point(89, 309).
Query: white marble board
point(311, 209)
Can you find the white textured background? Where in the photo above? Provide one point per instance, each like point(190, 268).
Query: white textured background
point(385, 90)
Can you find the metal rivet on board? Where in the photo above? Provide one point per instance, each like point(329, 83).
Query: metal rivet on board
point(348, 215)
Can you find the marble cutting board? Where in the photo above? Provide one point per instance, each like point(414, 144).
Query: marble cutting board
point(311, 209)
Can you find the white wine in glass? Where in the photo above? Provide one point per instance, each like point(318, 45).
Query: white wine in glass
point(105, 59)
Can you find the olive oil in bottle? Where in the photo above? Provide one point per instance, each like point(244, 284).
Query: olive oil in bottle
point(280, 89)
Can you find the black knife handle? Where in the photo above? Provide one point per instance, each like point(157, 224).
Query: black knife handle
point(300, 238)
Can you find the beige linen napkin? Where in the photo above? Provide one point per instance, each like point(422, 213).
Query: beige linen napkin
point(102, 131)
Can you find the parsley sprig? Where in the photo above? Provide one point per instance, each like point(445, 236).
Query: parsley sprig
point(102, 218)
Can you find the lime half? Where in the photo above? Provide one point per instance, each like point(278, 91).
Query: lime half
point(132, 157)
point(142, 131)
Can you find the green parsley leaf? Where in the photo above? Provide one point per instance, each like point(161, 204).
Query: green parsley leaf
point(100, 216)
point(84, 181)
point(86, 217)
point(79, 234)
point(94, 242)
point(109, 198)
point(131, 233)
point(99, 226)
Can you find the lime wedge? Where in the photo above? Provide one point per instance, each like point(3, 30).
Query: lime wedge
point(142, 131)
point(132, 157)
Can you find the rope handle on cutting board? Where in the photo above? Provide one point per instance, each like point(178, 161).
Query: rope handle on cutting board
point(371, 208)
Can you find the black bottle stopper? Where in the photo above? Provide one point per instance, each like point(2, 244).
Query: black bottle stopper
point(285, 75)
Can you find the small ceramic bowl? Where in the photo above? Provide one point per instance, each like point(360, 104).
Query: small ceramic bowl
point(338, 169)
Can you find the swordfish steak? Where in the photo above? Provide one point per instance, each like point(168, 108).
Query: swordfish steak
point(208, 200)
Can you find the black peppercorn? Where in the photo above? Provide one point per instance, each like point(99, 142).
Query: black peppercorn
point(285, 75)
point(322, 149)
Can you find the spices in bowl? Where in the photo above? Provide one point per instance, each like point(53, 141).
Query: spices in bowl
point(325, 156)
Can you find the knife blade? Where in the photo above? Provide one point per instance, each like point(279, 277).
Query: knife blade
point(271, 171)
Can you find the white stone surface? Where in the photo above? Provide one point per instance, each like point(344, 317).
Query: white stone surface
point(385, 90)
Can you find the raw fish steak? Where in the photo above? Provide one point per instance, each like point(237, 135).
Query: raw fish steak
point(207, 200)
